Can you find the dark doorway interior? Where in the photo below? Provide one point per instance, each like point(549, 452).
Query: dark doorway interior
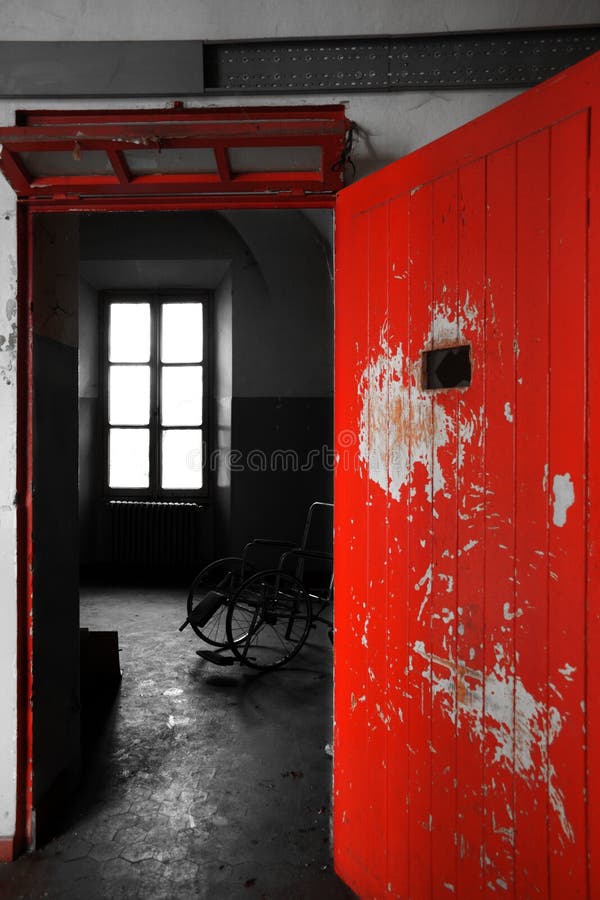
point(269, 365)
point(269, 422)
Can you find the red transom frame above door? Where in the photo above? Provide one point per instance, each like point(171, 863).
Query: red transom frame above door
point(295, 155)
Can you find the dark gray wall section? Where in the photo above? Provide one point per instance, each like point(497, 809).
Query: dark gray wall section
point(283, 344)
point(90, 455)
point(90, 430)
point(284, 446)
point(223, 388)
point(100, 68)
point(56, 745)
point(55, 577)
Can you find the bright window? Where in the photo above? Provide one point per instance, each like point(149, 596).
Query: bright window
point(156, 394)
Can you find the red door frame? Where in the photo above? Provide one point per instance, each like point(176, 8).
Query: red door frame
point(108, 148)
point(120, 201)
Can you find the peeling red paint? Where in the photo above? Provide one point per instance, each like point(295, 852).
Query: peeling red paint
point(467, 637)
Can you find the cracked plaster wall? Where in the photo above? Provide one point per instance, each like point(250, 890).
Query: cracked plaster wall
point(8, 616)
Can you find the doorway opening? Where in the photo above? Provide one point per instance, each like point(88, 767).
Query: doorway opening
point(264, 280)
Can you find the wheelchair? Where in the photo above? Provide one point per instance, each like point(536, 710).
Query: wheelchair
point(261, 617)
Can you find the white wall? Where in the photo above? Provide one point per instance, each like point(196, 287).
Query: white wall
point(391, 125)
point(231, 19)
point(8, 609)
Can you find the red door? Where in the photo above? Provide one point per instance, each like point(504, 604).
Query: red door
point(467, 737)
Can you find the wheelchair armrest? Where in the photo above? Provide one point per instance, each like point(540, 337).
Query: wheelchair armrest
point(265, 542)
point(305, 554)
point(268, 542)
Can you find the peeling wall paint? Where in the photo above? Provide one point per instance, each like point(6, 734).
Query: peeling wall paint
point(402, 421)
point(8, 644)
point(8, 322)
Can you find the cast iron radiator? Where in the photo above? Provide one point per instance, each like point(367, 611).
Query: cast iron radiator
point(157, 533)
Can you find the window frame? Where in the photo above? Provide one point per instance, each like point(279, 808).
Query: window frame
point(155, 297)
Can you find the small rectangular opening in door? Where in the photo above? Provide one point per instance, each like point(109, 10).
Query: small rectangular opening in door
point(447, 368)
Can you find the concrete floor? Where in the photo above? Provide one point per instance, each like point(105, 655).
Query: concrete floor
point(206, 782)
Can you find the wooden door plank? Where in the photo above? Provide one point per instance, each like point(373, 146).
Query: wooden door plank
point(351, 786)
point(592, 699)
point(419, 419)
point(499, 687)
point(470, 551)
point(530, 611)
point(443, 607)
point(373, 637)
point(567, 473)
point(399, 508)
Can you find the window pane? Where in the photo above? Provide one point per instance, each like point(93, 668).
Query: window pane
point(129, 395)
point(181, 399)
point(129, 333)
point(182, 458)
point(128, 458)
point(181, 337)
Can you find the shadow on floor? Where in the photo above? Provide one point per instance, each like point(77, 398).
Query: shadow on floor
point(200, 783)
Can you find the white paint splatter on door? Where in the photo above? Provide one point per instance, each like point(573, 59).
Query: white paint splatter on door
point(564, 498)
point(499, 707)
point(400, 424)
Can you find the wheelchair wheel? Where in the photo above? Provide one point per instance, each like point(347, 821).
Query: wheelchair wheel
point(221, 579)
point(268, 619)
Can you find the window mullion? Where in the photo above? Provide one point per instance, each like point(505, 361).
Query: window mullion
point(155, 394)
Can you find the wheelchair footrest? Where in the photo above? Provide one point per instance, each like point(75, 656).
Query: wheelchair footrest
point(215, 657)
point(206, 608)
